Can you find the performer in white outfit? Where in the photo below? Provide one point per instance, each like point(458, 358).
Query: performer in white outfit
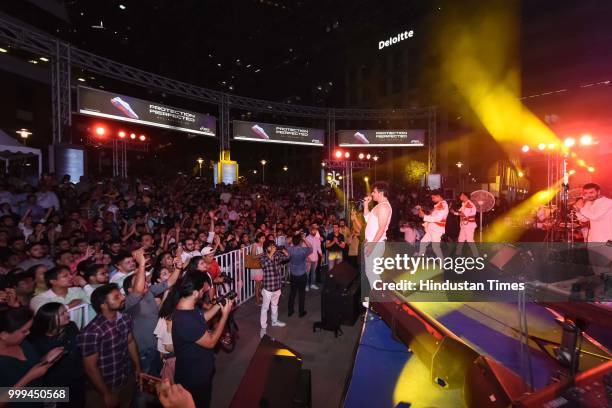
point(435, 225)
point(597, 210)
point(377, 223)
point(467, 224)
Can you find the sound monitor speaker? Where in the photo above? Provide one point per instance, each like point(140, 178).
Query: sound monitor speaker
point(273, 379)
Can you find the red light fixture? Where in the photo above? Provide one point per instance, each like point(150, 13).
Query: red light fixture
point(132, 136)
point(121, 134)
point(347, 155)
point(361, 156)
point(100, 131)
point(142, 138)
point(338, 154)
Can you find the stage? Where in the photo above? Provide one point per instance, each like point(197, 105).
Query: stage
point(386, 374)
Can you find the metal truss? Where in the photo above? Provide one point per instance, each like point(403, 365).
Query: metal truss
point(60, 93)
point(66, 56)
point(340, 164)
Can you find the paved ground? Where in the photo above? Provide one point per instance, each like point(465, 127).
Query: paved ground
point(329, 359)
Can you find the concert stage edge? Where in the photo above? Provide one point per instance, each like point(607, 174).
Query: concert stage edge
point(442, 354)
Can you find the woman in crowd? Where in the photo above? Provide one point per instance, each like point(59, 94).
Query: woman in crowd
point(193, 342)
point(257, 274)
point(163, 332)
point(52, 328)
point(20, 363)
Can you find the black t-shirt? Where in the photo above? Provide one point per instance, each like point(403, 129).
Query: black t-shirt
point(335, 247)
point(194, 364)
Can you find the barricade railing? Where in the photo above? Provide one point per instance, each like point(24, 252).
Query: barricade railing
point(233, 264)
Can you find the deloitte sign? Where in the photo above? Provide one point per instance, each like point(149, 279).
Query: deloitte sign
point(396, 39)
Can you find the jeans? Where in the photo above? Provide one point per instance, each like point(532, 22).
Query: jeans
point(298, 286)
point(270, 301)
point(311, 272)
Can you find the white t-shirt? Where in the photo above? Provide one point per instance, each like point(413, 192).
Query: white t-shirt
point(164, 337)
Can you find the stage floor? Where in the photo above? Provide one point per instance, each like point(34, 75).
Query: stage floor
point(386, 374)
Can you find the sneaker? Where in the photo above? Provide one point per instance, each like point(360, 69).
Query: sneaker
point(313, 286)
point(278, 323)
point(262, 333)
point(306, 288)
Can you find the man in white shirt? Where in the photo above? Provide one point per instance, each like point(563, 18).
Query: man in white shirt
point(597, 210)
point(435, 225)
point(59, 282)
point(314, 241)
point(125, 266)
point(189, 251)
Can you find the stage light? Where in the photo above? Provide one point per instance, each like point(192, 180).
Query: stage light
point(285, 168)
point(81, 79)
point(541, 146)
point(322, 164)
point(459, 164)
point(368, 156)
point(581, 163)
point(44, 59)
point(525, 148)
point(142, 138)
point(100, 131)
point(520, 173)
point(375, 158)
point(591, 169)
point(571, 172)
point(361, 156)
point(338, 154)
point(586, 140)
point(569, 142)
point(132, 136)
point(552, 146)
point(366, 179)
point(121, 134)
point(347, 155)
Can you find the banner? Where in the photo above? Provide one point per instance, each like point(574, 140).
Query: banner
point(94, 102)
point(377, 138)
point(266, 132)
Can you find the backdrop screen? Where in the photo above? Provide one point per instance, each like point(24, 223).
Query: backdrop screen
point(377, 138)
point(110, 105)
point(269, 133)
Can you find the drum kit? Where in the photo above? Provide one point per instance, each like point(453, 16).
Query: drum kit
point(560, 224)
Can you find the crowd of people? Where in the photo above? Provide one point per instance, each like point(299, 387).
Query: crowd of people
point(104, 280)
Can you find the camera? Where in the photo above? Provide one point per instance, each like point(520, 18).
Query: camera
point(226, 278)
point(222, 299)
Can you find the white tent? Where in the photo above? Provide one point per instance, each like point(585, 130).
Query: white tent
point(11, 149)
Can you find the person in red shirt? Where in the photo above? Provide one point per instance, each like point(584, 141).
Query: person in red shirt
point(214, 270)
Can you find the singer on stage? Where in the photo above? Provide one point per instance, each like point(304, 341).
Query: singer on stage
point(377, 222)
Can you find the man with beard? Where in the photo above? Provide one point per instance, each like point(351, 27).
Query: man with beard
point(106, 343)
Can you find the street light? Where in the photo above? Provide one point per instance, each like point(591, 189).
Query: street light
point(24, 133)
point(459, 164)
point(200, 161)
point(263, 171)
point(285, 168)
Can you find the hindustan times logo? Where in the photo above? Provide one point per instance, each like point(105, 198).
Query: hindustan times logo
point(414, 263)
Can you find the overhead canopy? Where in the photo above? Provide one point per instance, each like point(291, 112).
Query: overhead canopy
point(11, 149)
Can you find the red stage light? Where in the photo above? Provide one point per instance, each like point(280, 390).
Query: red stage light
point(132, 136)
point(586, 139)
point(142, 138)
point(338, 154)
point(525, 149)
point(347, 155)
point(361, 156)
point(121, 134)
point(569, 142)
point(100, 131)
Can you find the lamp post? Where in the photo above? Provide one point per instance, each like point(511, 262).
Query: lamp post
point(263, 171)
point(200, 161)
point(24, 133)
